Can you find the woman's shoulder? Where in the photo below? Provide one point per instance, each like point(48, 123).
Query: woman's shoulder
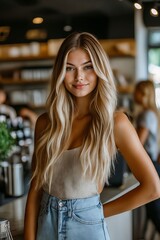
point(150, 113)
point(42, 122)
point(120, 118)
point(123, 128)
point(43, 118)
point(121, 122)
point(149, 116)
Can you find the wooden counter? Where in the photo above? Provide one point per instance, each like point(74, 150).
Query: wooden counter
point(14, 211)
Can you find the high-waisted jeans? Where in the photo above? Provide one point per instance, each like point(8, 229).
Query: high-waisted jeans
point(73, 219)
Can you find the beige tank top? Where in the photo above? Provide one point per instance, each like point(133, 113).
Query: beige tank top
point(68, 181)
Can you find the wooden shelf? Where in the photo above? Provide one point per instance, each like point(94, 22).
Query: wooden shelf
point(22, 82)
point(48, 50)
point(125, 89)
point(119, 47)
point(26, 58)
point(30, 51)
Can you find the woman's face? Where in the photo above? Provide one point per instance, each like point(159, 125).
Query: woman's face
point(80, 79)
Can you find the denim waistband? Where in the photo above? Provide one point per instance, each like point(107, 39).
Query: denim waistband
point(75, 204)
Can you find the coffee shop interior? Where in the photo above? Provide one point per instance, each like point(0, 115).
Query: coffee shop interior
point(31, 32)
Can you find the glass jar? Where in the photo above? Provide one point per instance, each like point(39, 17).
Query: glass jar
point(5, 233)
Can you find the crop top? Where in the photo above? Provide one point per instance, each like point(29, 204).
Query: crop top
point(68, 181)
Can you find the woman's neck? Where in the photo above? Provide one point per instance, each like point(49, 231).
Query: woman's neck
point(82, 107)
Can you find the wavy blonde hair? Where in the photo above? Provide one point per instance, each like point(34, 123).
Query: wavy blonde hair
point(98, 149)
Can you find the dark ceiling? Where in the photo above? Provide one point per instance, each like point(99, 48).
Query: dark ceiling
point(105, 18)
point(149, 20)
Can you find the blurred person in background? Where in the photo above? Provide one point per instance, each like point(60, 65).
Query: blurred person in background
point(5, 108)
point(27, 113)
point(147, 125)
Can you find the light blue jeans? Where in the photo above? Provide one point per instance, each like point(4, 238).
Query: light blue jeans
point(74, 219)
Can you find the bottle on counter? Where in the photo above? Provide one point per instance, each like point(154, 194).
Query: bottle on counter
point(15, 176)
point(5, 233)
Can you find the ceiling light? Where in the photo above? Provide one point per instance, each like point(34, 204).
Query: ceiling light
point(138, 5)
point(37, 20)
point(67, 28)
point(154, 12)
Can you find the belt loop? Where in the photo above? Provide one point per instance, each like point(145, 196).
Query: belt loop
point(69, 208)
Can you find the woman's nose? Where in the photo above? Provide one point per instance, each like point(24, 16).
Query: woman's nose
point(79, 75)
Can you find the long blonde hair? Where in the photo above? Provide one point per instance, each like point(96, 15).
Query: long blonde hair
point(98, 149)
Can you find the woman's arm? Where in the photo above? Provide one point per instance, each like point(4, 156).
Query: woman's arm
point(34, 196)
point(142, 134)
point(31, 213)
point(129, 145)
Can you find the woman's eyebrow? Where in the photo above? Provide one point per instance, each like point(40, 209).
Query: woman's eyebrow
point(81, 64)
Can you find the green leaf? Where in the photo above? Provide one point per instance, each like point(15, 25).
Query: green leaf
point(6, 140)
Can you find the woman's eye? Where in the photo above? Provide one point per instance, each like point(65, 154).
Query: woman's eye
point(69, 69)
point(88, 67)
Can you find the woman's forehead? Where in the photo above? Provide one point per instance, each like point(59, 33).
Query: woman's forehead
point(78, 56)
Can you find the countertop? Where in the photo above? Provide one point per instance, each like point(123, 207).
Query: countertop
point(14, 211)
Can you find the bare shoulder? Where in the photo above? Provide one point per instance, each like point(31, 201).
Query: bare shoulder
point(123, 128)
point(43, 118)
point(120, 119)
point(41, 123)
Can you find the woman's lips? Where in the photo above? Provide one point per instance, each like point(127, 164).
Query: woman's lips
point(79, 86)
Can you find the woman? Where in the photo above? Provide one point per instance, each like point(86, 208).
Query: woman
point(5, 108)
point(147, 129)
point(75, 144)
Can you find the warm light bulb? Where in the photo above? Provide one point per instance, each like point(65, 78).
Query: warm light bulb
point(154, 12)
point(137, 5)
point(67, 28)
point(37, 20)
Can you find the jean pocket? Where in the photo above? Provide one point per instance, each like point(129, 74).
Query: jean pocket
point(89, 216)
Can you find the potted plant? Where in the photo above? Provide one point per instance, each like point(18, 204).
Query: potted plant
point(7, 142)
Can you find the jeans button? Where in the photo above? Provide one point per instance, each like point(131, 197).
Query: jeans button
point(60, 204)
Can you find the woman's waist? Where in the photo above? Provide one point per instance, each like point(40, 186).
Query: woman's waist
point(70, 189)
point(74, 203)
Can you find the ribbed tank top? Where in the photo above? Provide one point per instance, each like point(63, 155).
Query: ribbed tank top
point(68, 181)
